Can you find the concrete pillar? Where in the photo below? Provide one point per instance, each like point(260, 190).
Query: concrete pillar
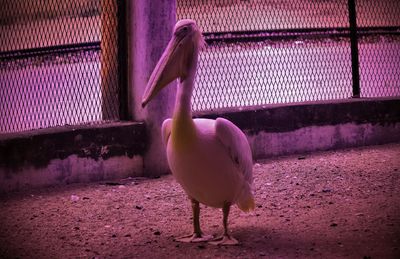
point(150, 25)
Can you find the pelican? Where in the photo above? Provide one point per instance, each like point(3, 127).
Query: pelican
point(210, 159)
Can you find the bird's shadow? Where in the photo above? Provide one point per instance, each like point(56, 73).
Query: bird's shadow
point(261, 241)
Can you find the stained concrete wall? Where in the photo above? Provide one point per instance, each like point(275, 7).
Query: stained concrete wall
point(307, 127)
point(112, 151)
point(71, 154)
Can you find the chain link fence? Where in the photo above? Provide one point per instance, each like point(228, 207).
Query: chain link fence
point(58, 63)
point(60, 60)
point(282, 51)
point(379, 47)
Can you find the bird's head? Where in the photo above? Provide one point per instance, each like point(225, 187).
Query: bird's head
point(177, 60)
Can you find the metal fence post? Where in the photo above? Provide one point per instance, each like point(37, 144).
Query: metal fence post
point(354, 48)
point(150, 29)
point(109, 57)
point(122, 59)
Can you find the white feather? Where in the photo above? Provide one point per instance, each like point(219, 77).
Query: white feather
point(218, 167)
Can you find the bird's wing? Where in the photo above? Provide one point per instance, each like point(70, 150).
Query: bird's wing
point(166, 131)
point(236, 142)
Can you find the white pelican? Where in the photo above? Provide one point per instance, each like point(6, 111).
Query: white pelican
point(210, 159)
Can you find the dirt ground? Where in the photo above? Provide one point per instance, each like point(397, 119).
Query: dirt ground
point(337, 204)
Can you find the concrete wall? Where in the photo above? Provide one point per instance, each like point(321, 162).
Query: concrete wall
point(71, 154)
point(114, 151)
point(297, 128)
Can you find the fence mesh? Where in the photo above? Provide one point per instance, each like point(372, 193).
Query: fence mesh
point(56, 62)
point(255, 15)
point(59, 59)
point(379, 49)
point(267, 51)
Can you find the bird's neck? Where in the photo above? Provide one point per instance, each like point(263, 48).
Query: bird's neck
point(183, 129)
point(183, 107)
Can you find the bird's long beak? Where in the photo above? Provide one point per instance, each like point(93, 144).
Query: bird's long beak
point(167, 69)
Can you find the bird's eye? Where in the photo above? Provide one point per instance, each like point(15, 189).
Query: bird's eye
point(185, 29)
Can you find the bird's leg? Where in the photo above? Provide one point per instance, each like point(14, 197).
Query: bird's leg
point(197, 235)
point(225, 239)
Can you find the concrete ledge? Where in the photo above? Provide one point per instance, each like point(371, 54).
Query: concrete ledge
point(111, 151)
point(287, 129)
point(71, 154)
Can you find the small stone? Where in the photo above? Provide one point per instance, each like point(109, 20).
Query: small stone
point(201, 247)
point(157, 233)
point(334, 225)
point(114, 235)
point(74, 198)
point(262, 254)
point(139, 207)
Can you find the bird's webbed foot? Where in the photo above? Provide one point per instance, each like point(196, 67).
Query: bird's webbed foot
point(224, 240)
point(195, 238)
